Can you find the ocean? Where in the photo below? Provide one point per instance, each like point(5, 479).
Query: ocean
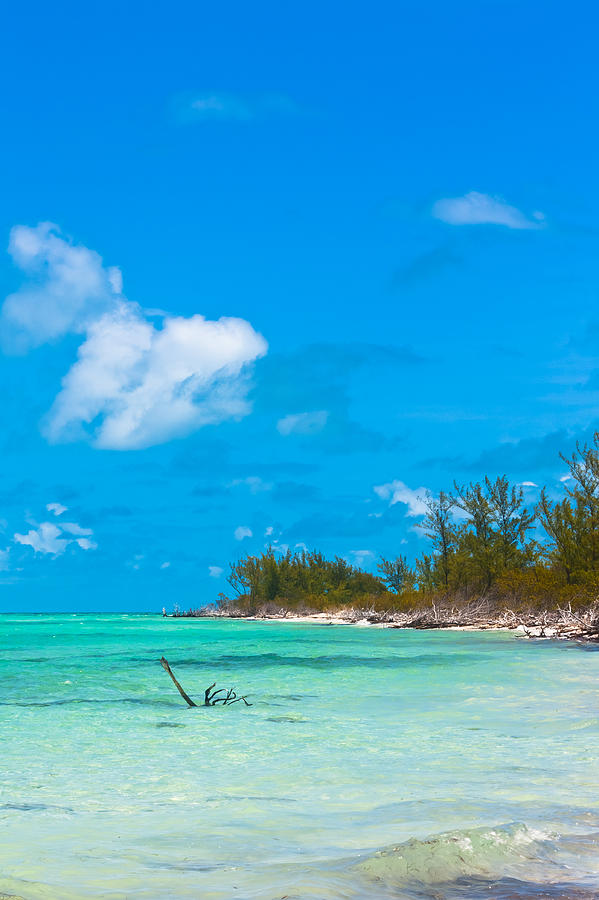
point(373, 763)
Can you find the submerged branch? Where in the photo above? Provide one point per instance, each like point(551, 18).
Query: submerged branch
point(210, 699)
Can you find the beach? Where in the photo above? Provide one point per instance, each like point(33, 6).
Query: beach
point(373, 763)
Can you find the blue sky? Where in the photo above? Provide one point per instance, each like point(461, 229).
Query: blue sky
point(271, 273)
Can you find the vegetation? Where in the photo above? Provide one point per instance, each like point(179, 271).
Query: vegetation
point(300, 581)
point(484, 544)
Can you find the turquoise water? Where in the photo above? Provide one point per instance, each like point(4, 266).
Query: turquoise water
point(374, 763)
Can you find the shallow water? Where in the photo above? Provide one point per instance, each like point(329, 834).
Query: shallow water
point(374, 763)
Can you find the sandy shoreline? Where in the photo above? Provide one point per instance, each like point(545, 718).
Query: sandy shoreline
point(326, 619)
point(537, 630)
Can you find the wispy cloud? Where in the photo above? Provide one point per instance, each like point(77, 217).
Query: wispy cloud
point(56, 508)
point(137, 384)
point(75, 529)
point(215, 571)
point(303, 423)
point(475, 208)
point(221, 106)
point(398, 492)
point(361, 557)
point(242, 531)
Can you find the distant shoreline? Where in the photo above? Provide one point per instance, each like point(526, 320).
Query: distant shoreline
point(541, 627)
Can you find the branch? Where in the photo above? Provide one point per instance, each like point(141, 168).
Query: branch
point(237, 699)
point(168, 669)
point(210, 699)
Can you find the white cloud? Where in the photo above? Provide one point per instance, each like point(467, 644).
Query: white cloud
point(242, 531)
point(54, 539)
point(45, 539)
point(398, 492)
point(68, 287)
point(4, 565)
point(566, 478)
point(268, 531)
point(86, 544)
point(152, 385)
point(475, 208)
point(303, 423)
point(528, 484)
point(73, 528)
point(215, 571)
point(165, 565)
point(134, 384)
point(57, 508)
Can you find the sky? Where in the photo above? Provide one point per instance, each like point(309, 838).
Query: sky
point(270, 273)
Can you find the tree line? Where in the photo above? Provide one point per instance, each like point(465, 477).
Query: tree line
point(484, 541)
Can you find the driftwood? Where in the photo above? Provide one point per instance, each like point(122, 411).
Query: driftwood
point(167, 668)
point(211, 697)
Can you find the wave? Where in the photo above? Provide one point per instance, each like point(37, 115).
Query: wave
point(510, 852)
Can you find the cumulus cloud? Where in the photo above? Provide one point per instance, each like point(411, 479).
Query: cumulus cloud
point(398, 492)
point(50, 538)
point(68, 287)
point(215, 571)
point(135, 383)
point(242, 531)
point(45, 539)
point(57, 508)
point(475, 208)
point(303, 423)
point(149, 385)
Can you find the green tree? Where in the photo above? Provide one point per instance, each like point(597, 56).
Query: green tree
point(511, 519)
point(440, 530)
point(478, 538)
point(396, 574)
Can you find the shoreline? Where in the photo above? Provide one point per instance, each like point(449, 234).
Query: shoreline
point(568, 629)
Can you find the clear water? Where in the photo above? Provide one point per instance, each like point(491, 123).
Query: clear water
point(373, 763)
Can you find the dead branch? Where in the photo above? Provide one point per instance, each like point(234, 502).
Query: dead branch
point(211, 698)
point(168, 669)
point(207, 694)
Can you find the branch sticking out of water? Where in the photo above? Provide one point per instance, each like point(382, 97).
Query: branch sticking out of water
point(167, 668)
point(211, 697)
